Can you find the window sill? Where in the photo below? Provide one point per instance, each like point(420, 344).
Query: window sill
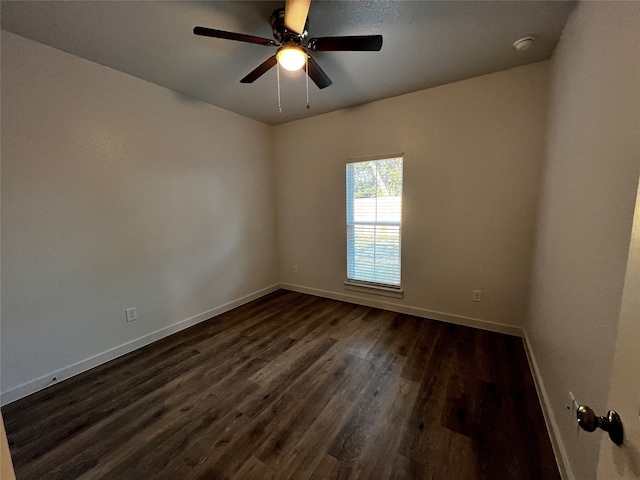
point(374, 289)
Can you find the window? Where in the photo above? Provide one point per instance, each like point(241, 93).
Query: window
point(374, 220)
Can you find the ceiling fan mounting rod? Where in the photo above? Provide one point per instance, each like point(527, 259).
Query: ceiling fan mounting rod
point(280, 32)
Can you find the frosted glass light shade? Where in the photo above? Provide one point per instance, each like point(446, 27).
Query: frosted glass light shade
point(291, 58)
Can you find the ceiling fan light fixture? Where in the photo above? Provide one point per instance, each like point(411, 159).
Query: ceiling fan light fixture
point(291, 58)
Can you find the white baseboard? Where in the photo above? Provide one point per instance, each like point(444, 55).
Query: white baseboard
point(559, 451)
point(418, 312)
point(38, 384)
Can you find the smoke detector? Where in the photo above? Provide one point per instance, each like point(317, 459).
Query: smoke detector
point(524, 44)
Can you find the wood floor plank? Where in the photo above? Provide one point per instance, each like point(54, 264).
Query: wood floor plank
point(330, 468)
point(294, 386)
point(352, 438)
point(387, 432)
point(403, 468)
point(254, 469)
point(275, 380)
point(458, 458)
point(243, 441)
point(303, 459)
point(418, 358)
point(421, 441)
point(365, 332)
point(327, 315)
point(80, 416)
point(311, 398)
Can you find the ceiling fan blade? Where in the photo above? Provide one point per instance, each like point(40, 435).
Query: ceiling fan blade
point(318, 76)
point(260, 70)
point(355, 43)
point(295, 15)
point(240, 37)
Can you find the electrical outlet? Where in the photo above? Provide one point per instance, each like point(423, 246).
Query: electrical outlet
point(294, 268)
point(476, 296)
point(130, 314)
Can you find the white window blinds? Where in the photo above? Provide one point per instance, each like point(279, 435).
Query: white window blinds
point(374, 221)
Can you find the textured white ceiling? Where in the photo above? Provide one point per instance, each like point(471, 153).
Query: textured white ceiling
point(426, 43)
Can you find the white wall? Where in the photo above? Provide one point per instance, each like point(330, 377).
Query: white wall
point(624, 396)
point(586, 213)
point(473, 153)
point(118, 193)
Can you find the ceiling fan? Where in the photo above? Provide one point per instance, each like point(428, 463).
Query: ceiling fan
point(289, 26)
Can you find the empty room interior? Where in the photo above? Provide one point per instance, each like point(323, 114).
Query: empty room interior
point(415, 254)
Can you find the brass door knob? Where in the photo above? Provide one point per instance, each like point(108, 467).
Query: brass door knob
point(589, 421)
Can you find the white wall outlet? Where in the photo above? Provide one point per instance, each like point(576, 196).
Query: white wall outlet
point(294, 268)
point(476, 295)
point(131, 314)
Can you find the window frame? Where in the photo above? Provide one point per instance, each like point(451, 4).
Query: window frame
point(365, 286)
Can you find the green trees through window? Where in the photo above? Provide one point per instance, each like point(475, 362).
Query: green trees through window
point(378, 178)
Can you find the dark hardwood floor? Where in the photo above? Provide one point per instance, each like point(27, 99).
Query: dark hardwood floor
point(294, 386)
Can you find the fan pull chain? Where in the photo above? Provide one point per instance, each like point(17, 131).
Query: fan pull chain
point(278, 76)
point(306, 61)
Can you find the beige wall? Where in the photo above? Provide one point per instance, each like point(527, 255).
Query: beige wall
point(472, 164)
point(586, 212)
point(624, 395)
point(118, 193)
